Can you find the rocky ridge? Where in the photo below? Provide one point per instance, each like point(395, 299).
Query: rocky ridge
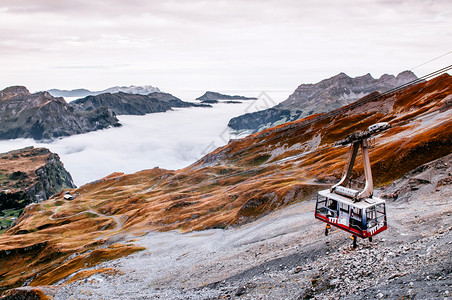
point(31, 175)
point(324, 96)
point(41, 116)
point(132, 104)
point(121, 104)
point(13, 91)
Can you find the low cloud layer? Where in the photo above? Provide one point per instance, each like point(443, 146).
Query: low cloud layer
point(169, 140)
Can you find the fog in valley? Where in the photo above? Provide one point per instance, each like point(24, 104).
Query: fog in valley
point(170, 140)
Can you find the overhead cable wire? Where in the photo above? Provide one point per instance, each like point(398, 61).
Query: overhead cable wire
point(427, 62)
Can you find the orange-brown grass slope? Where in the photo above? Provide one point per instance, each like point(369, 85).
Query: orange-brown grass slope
point(232, 185)
point(24, 162)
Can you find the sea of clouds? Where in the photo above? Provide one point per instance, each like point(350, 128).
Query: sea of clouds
point(170, 140)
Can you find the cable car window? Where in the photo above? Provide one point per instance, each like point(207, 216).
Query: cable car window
point(344, 207)
point(380, 212)
point(321, 200)
point(355, 218)
point(322, 205)
point(355, 213)
point(332, 204)
point(381, 209)
point(332, 208)
point(357, 224)
point(371, 213)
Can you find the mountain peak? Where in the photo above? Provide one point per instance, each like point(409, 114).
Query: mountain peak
point(386, 77)
point(321, 97)
point(340, 75)
point(366, 77)
point(13, 91)
point(406, 76)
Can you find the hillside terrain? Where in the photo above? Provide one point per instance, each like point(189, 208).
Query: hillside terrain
point(42, 117)
point(285, 255)
point(324, 96)
point(30, 175)
point(132, 104)
point(253, 199)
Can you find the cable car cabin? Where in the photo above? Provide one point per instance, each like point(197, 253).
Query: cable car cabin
point(364, 218)
point(357, 212)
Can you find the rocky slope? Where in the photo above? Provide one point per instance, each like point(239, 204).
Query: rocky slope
point(121, 104)
point(31, 175)
point(42, 116)
point(324, 96)
point(141, 90)
point(13, 91)
point(131, 104)
point(286, 256)
point(233, 193)
point(214, 96)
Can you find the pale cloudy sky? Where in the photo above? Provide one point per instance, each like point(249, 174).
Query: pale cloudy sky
point(216, 45)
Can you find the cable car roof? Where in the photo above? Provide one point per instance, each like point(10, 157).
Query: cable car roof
point(363, 204)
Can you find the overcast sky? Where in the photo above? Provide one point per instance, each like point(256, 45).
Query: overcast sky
point(216, 45)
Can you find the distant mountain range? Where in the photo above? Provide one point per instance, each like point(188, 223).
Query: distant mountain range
point(141, 90)
point(324, 96)
point(132, 104)
point(41, 116)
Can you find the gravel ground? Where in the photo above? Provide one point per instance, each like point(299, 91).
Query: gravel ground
point(285, 255)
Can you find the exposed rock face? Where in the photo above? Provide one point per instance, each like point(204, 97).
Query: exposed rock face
point(42, 116)
point(327, 95)
point(142, 90)
point(13, 91)
point(422, 180)
point(121, 104)
point(218, 96)
point(31, 175)
point(131, 104)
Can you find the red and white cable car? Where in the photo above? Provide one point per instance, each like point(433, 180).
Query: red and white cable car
point(357, 212)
